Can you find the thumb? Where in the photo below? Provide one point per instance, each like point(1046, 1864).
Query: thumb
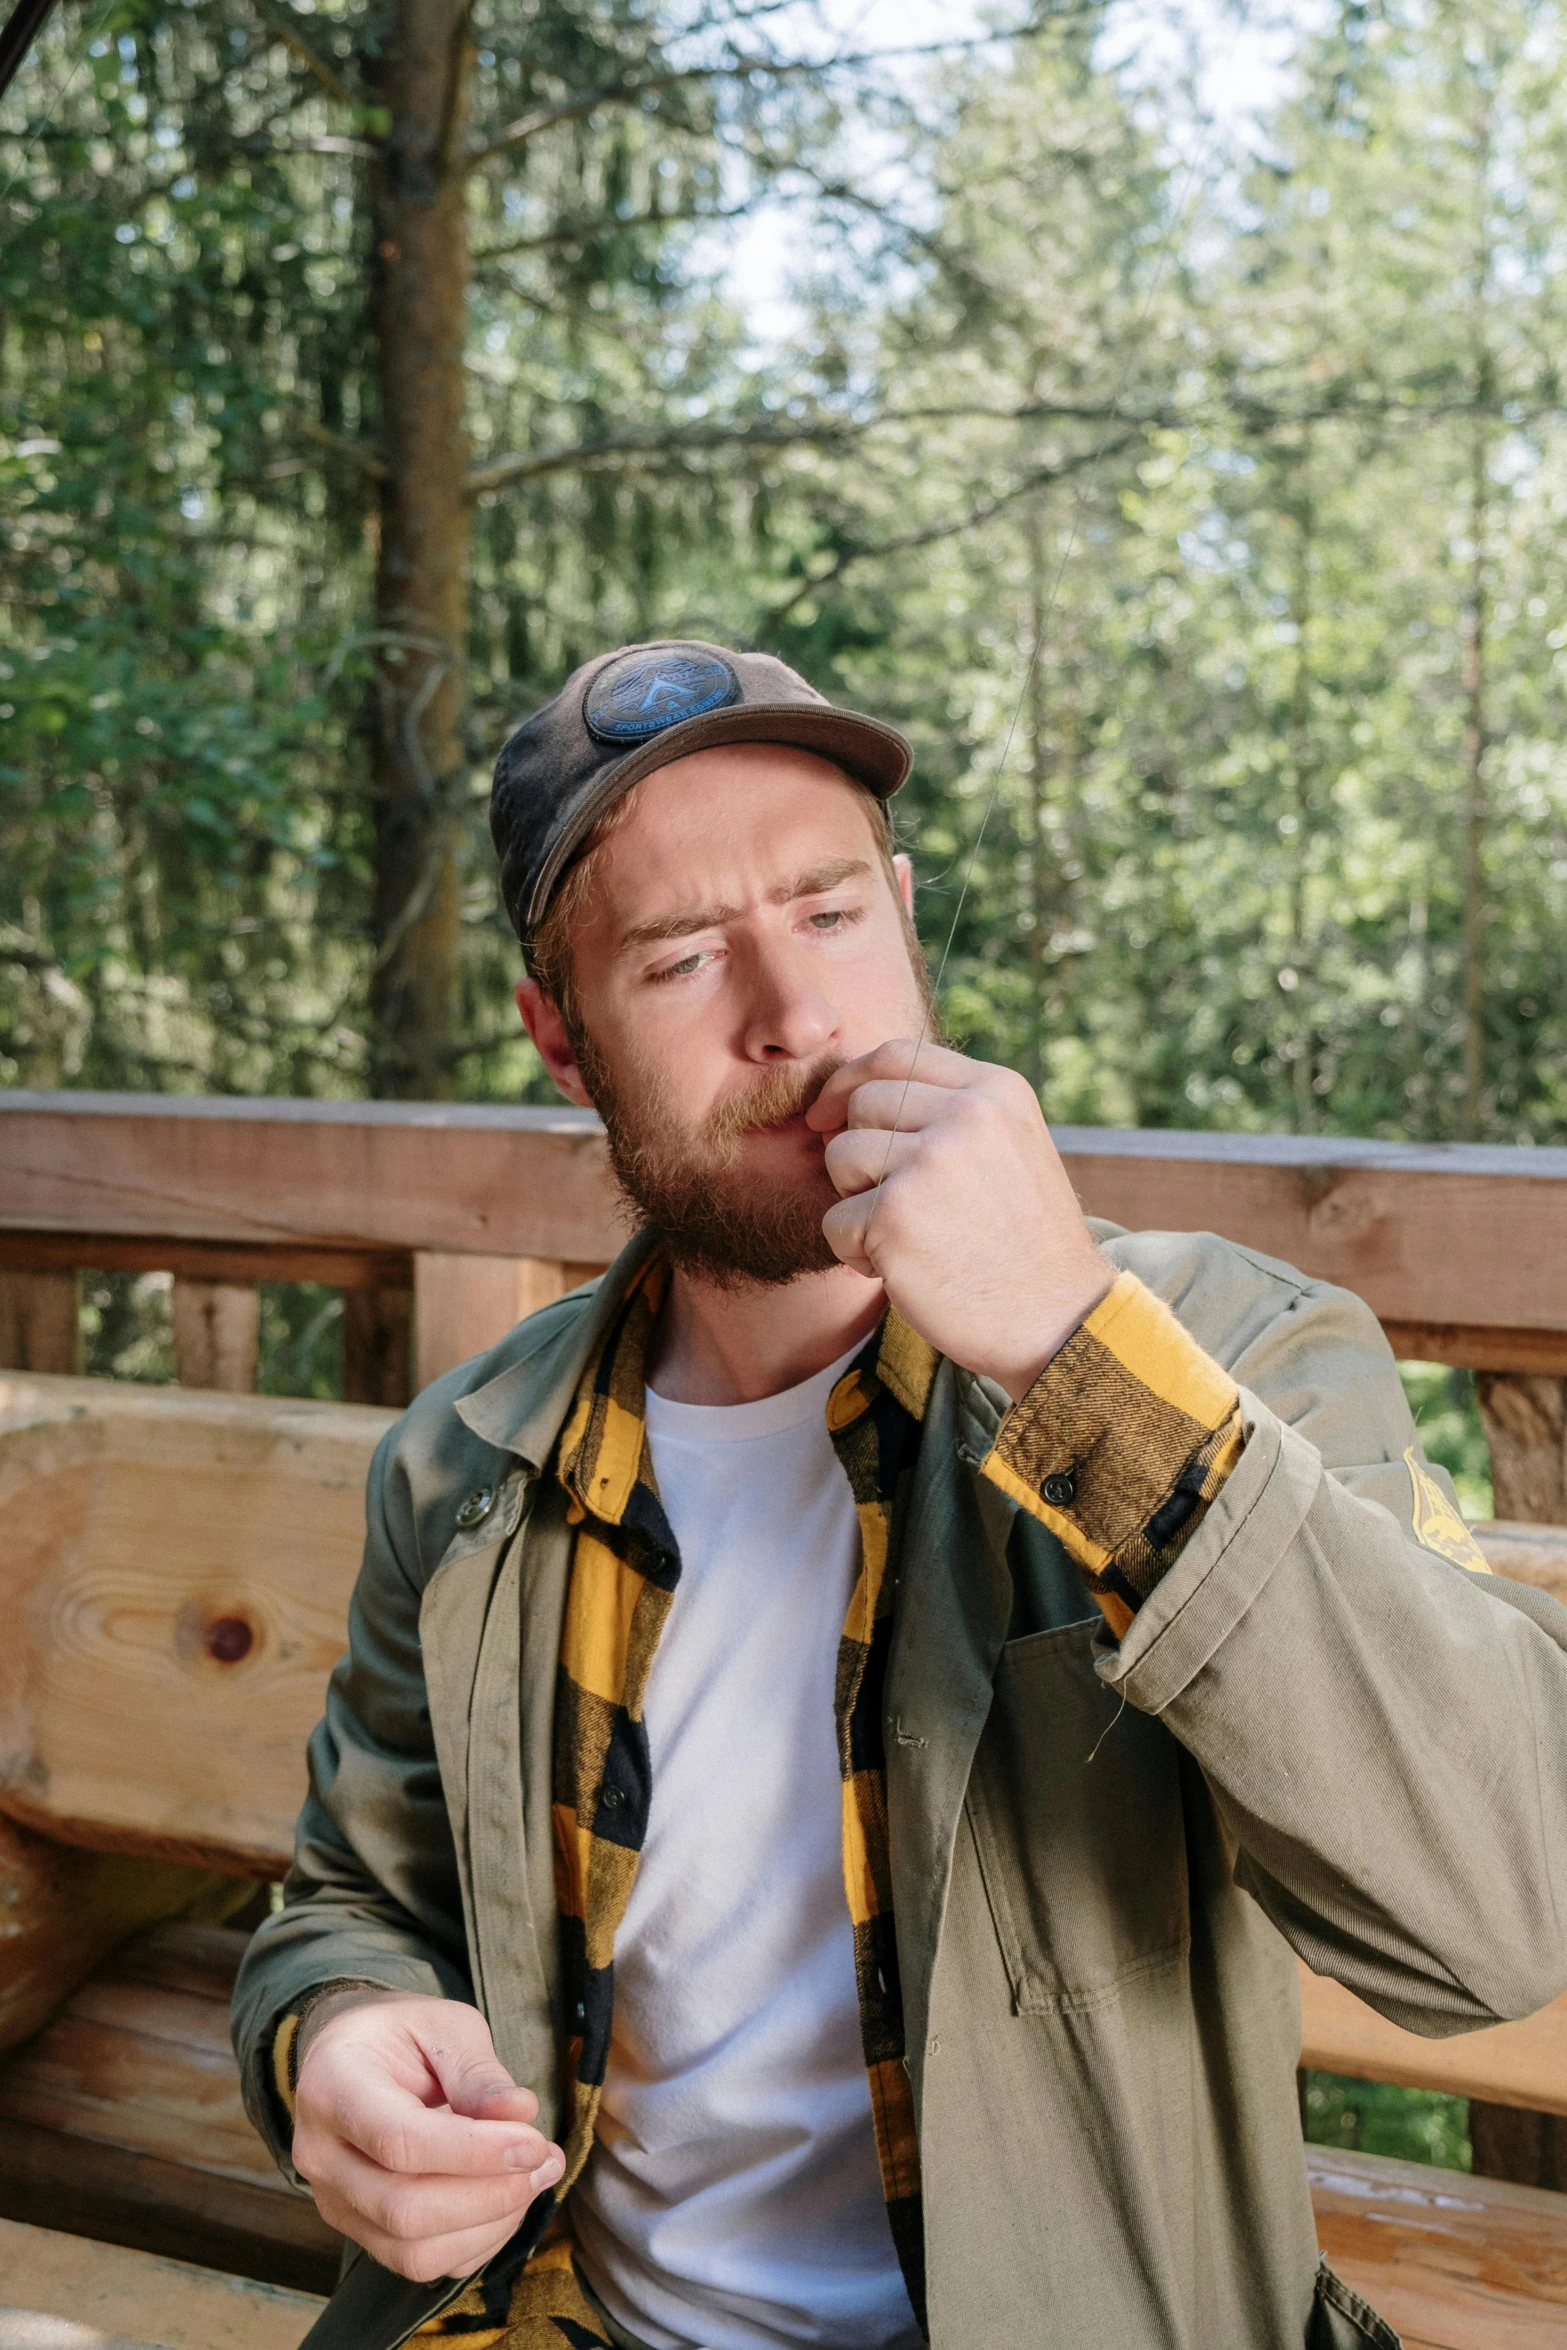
point(473, 2079)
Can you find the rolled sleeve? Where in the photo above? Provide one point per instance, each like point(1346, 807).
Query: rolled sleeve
point(1121, 1445)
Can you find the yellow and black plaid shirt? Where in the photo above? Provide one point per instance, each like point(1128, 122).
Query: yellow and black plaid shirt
point(1119, 1447)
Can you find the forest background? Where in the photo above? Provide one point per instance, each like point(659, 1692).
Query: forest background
point(366, 364)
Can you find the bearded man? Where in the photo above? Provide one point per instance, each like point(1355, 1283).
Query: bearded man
point(851, 1717)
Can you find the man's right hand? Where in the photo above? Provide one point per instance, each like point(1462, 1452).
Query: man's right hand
point(415, 2141)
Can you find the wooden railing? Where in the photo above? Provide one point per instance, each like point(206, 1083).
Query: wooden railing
point(172, 1729)
point(449, 1220)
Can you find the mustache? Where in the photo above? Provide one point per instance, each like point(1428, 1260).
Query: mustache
point(776, 1097)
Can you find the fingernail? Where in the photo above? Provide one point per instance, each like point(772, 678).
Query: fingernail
point(549, 2171)
point(521, 2157)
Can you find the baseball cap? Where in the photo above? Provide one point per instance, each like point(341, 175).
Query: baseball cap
point(621, 716)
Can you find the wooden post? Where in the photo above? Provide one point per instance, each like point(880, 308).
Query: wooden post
point(40, 1324)
point(463, 1304)
point(377, 1346)
point(1526, 1428)
point(215, 1329)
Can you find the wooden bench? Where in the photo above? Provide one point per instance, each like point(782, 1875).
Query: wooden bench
point(59, 2293)
point(173, 1592)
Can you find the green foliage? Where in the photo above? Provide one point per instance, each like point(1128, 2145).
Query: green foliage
point(1448, 1418)
point(1272, 466)
point(1371, 2117)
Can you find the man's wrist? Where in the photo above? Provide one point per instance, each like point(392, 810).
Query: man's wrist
point(1016, 1374)
point(321, 2011)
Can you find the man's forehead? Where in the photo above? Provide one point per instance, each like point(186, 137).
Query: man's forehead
point(688, 841)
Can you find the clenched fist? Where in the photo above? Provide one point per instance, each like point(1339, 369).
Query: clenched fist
point(975, 1230)
point(416, 2142)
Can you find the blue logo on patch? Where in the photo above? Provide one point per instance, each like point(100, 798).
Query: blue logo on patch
point(638, 697)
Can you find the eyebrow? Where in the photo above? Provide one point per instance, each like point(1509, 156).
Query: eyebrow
point(812, 883)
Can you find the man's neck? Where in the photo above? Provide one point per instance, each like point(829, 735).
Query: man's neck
point(727, 1346)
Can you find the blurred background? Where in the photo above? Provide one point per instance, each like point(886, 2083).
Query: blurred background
point(367, 364)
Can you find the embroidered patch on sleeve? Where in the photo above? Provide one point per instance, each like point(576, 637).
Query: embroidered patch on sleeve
point(1438, 1525)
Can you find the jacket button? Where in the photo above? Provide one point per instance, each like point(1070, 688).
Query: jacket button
point(475, 1507)
point(1060, 1491)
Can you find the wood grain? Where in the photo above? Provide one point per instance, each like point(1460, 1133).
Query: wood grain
point(132, 2295)
point(173, 1593)
point(1521, 2064)
point(1451, 2262)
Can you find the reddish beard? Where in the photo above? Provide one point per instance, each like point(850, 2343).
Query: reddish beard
point(691, 1186)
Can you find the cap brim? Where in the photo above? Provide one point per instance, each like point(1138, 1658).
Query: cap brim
point(874, 754)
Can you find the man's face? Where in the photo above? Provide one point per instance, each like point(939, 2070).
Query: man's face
point(741, 939)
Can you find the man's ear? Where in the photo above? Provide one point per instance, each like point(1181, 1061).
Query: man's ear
point(541, 1018)
point(904, 869)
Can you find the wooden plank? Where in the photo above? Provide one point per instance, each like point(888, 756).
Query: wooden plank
point(205, 1260)
point(1465, 1235)
point(127, 2110)
point(62, 1910)
point(40, 1322)
point(1478, 1348)
point(216, 1326)
point(436, 1176)
point(1452, 2262)
point(463, 1304)
point(1523, 2064)
point(133, 2296)
point(173, 1593)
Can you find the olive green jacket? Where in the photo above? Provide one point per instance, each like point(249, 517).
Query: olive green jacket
point(1318, 1736)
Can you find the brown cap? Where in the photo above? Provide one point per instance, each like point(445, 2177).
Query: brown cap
point(629, 712)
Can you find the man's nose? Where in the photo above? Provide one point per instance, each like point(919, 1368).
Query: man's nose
point(787, 1018)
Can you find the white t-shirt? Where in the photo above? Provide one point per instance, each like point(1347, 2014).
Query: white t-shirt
point(733, 2199)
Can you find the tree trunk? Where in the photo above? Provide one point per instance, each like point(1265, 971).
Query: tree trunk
point(1038, 787)
point(1303, 1070)
point(422, 267)
point(1474, 650)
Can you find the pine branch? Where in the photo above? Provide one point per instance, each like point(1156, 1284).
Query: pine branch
point(529, 465)
point(628, 93)
point(606, 224)
point(280, 19)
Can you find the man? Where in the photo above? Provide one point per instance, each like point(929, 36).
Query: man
point(850, 1717)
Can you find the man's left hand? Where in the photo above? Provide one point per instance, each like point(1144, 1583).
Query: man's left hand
point(954, 1196)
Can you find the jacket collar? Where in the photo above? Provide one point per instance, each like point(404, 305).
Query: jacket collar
point(522, 1409)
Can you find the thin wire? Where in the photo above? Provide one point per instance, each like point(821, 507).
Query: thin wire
point(1167, 246)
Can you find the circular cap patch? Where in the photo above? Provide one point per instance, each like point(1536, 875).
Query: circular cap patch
point(642, 693)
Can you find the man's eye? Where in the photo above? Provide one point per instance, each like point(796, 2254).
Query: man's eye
point(831, 918)
point(682, 969)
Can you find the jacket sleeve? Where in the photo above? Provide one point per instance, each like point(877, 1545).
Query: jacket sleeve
point(373, 1896)
point(1384, 1727)
point(1383, 1722)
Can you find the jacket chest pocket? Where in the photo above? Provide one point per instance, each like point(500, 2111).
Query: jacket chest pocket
point(1075, 1805)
